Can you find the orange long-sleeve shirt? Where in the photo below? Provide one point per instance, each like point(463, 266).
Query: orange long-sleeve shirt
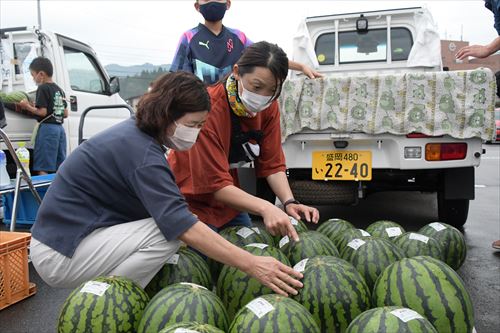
point(204, 169)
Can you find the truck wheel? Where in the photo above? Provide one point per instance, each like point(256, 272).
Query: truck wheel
point(311, 192)
point(453, 212)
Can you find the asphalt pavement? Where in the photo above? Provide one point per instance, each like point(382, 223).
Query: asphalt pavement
point(480, 272)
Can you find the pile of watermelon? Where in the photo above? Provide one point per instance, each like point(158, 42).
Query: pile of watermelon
point(354, 281)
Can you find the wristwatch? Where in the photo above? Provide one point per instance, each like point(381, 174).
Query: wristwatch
point(290, 201)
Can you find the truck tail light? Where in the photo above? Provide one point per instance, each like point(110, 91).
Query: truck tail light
point(445, 151)
point(420, 135)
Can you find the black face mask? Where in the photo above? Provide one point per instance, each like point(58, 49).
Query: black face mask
point(213, 11)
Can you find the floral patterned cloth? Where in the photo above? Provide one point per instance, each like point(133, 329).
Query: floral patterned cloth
point(459, 103)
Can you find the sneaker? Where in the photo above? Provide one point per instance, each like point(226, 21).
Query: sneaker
point(496, 244)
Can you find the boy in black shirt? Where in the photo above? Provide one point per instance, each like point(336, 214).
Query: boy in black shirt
point(50, 109)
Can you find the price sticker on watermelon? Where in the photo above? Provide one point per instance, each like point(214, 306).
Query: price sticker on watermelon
point(260, 307)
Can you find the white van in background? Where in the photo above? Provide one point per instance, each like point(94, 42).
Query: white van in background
point(76, 70)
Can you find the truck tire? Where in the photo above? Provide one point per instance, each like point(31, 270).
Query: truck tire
point(453, 212)
point(311, 192)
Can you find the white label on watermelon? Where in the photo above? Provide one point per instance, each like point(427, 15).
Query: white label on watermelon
point(256, 230)
point(245, 232)
point(419, 237)
point(393, 232)
point(194, 285)
point(301, 265)
point(293, 221)
point(284, 241)
point(95, 287)
point(260, 307)
point(185, 330)
point(356, 243)
point(406, 314)
point(437, 226)
point(364, 233)
point(259, 245)
point(173, 260)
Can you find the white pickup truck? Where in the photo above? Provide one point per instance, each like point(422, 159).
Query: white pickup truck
point(89, 89)
point(385, 117)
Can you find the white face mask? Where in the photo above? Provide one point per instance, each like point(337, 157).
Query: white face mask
point(183, 138)
point(252, 101)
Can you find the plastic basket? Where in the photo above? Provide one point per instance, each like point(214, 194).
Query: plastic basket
point(14, 275)
point(27, 207)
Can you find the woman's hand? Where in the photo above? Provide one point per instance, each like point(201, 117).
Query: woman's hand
point(275, 275)
point(310, 73)
point(278, 223)
point(310, 214)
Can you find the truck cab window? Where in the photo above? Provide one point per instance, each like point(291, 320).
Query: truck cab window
point(368, 47)
point(83, 74)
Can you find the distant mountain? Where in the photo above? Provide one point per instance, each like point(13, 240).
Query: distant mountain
point(122, 71)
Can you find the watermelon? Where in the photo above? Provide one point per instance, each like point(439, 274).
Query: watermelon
point(190, 327)
point(334, 292)
point(413, 244)
point(310, 244)
point(297, 224)
point(236, 288)
point(184, 266)
point(333, 229)
point(390, 319)
point(452, 242)
point(431, 288)
point(182, 302)
point(385, 229)
point(13, 97)
point(273, 314)
point(348, 236)
point(105, 304)
point(239, 236)
point(371, 256)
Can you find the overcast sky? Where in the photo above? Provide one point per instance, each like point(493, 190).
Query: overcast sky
point(134, 32)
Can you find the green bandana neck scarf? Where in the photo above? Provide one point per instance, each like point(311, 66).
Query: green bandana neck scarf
point(234, 100)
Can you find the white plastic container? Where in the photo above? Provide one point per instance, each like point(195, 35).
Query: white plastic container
point(23, 155)
point(4, 176)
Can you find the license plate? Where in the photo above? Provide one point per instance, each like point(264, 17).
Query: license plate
point(342, 165)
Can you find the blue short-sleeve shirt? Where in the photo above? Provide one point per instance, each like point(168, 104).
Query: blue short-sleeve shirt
point(209, 56)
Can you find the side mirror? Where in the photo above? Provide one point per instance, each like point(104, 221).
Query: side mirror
point(114, 85)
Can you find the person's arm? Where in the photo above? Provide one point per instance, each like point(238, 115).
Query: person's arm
point(479, 51)
point(279, 184)
point(182, 57)
point(269, 271)
point(276, 221)
point(308, 71)
point(40, 112)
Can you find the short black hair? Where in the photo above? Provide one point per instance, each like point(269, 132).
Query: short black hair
point(265, 54)
point(41, 64)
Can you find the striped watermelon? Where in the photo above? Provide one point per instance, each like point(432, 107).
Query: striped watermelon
point(236, 288)
point(413, 244)
point(190, 327)
point(13, 97)
point(310, 244)
point(385, 229)
point(297, 224)
point(333, 229)
point(371, 256)
point(273, 314)
point(452, 242)
point(349, 235)
point(390, 319)
point(334, 292)
point(184, 266)
point(431, 288)
point(105, 304)
point(183, 302)
point(239, 236)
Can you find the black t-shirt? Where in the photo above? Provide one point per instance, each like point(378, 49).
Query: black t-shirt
point(51, 97)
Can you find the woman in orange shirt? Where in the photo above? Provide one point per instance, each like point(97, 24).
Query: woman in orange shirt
point(243, 125)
